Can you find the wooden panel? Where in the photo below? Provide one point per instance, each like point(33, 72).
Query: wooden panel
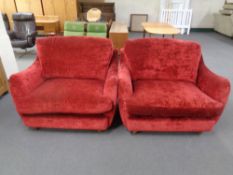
point(8, 7)
point(65, 9)
point(118, 34)
point(47, 25)
point(33, 6)
point(3, 80)
point(71, 9)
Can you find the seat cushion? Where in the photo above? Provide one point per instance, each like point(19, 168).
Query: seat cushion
point(171, 99)
point(101, 35)
point(66, 96)
point(17, 43)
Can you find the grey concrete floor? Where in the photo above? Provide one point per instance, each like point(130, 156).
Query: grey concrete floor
point(115, 152)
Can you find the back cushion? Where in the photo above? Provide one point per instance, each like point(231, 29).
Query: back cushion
point(74, 57)
point(167, 59)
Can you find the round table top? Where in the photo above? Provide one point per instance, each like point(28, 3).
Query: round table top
point(160, 28)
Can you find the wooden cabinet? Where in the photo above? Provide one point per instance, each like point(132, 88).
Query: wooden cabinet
point(3, 80)
point(118, 34)
point(47, 25)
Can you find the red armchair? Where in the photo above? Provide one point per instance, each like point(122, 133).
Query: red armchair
point(164, 86)
point(71, 85)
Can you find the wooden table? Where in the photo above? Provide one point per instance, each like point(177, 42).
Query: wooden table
point(159, 29)
point(118, 34)
point(3, 80)
point(47, 25)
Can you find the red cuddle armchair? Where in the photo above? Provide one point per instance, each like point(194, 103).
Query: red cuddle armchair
point(165, 86)
point(71, 85)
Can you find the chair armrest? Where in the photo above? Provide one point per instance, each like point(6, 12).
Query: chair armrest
point(212, 84)
point(125, 82)
point(110, 85)
point(26, 81)
point(31, 38)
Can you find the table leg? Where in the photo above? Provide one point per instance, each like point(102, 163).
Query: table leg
point(144, 33)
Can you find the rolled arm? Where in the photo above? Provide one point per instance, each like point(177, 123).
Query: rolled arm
point(212, 84)
point(110, 85)
point(125, 81)
point(24, 82)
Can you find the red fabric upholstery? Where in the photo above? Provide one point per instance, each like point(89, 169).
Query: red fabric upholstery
point(68, 101)
point(67, 121)
point(67, 57)
point(166, 87)
point(213, 85)
point(171, 98)
point(88, 98)
point(165, 59)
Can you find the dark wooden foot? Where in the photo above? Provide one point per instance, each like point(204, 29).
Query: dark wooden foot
point(199, 133)
point(36, 129)
point(134, 132)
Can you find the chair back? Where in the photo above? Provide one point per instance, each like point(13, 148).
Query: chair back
point(74, 28)
point(24, 24)
point(162, 59)
point(74, 57)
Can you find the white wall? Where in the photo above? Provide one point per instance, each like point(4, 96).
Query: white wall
point(6, 52)
point(202, 10)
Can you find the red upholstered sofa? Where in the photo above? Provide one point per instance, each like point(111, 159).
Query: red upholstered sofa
point(71, 85)
point(165, 86)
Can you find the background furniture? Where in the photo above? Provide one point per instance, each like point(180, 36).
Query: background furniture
point(6, 22)
point(24, 32)
point(159, 29)
point(97, 29)
point(107, 9)
point(66, 10)
point(3, 80)
point(179, 18)
point(71, 85)
point(47, 25)
point(118, 34)
point(74, 28)
point(223, 21)
point(165, 86)
point(136, 20)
